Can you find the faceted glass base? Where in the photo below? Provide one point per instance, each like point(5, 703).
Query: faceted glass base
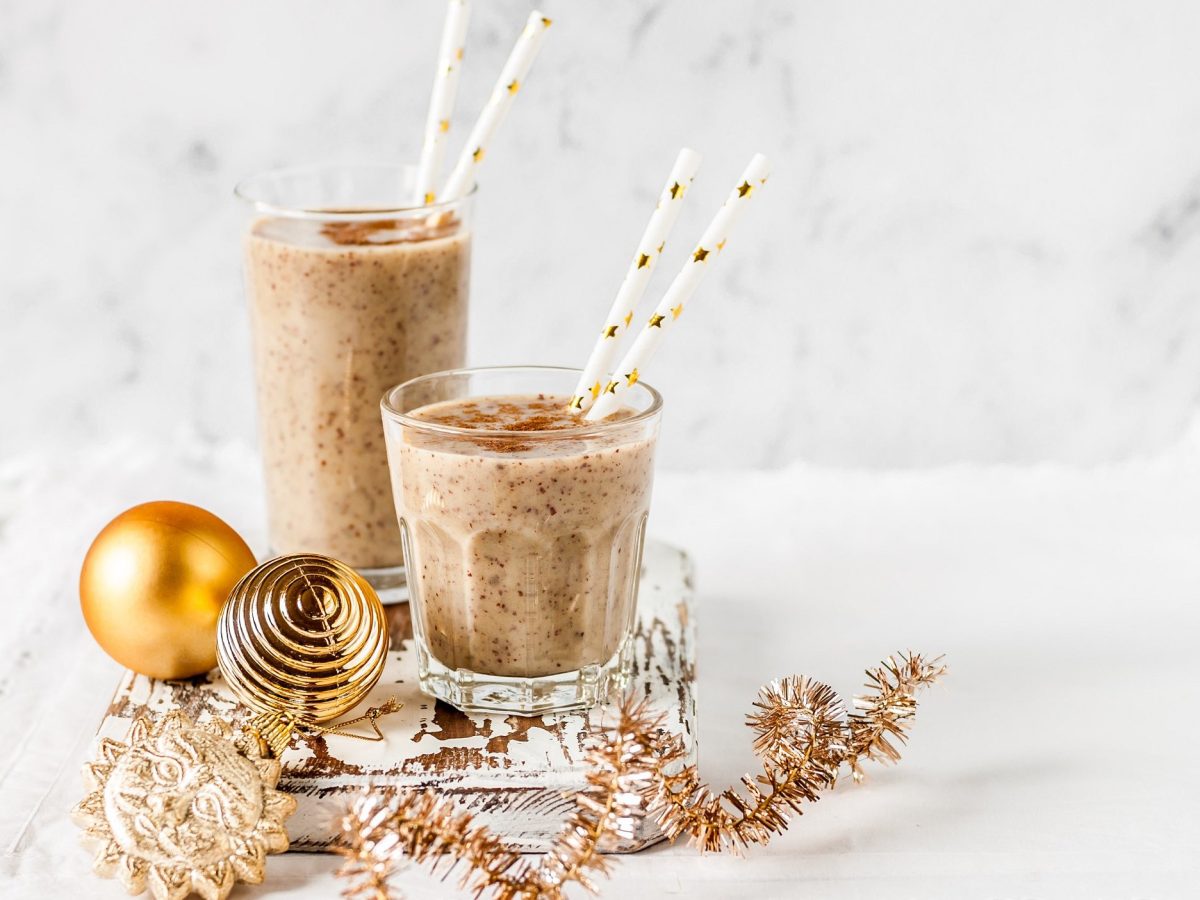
point(391, 584)
point(473, 692)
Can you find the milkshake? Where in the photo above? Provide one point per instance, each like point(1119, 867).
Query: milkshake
point(523, 529)
point(347, 297)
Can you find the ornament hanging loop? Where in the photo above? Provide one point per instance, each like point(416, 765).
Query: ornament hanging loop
point(371, 717)
point(275, 729)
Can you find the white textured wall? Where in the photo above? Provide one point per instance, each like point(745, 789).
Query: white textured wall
point(979, 242)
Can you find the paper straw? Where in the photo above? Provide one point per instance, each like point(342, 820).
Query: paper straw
point(512, 76)
point(712, 242)
point(441, 103)
point(637, 276)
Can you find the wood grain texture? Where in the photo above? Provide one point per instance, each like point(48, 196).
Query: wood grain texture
point(515, 773)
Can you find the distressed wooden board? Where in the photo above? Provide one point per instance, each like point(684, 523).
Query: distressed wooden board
point(515, 773)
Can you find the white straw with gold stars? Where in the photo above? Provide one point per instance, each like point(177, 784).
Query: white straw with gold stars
point(441, 104)
point(637, 276)
point(512, 77)
point(712, 242)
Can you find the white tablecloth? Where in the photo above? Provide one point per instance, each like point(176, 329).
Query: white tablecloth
point(1057, 760)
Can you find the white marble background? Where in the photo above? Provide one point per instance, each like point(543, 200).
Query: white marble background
point(979, 243)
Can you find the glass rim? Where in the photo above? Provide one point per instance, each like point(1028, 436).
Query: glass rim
point(589, 429)
point(244, 191)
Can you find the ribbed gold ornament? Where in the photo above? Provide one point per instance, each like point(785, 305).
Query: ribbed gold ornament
point(301, 640)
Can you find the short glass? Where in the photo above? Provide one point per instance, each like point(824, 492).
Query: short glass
point(524, 547)
point(351, 289)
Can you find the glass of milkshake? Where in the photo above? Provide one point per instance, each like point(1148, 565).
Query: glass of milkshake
point(523, 528)
point(351, 289)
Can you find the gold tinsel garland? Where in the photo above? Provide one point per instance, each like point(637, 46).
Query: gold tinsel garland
point(802, 733)
point(804, 737)
point(382, 828)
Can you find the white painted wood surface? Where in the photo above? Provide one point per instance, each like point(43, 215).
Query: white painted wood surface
point(1063, 598)
point(516, 773)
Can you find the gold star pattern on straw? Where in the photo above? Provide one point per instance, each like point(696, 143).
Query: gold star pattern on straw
point(610, 331)
point(721, 244)
point(547, 22)
point(642, 264)
point(636, 770)
point(682, 288)
point(183, 808)
point(429, 197)
point(676, 311)
point(576, 402)
point(744, 189)
point(595, 389)
point(441, 102)
point(511, 78)
point(631, 378)
point(610, 388)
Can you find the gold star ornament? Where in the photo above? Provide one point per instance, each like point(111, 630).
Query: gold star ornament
point(610, 331)
point(643, 260)
point(655, 321)
point(477, 154)
point(744, 189)
point(514, 86)
point(700, 255)
point(676, 190)
point(183, 808)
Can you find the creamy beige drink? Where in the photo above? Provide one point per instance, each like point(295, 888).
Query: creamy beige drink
point(526, 552)
point(523, 530)
point(341, 311)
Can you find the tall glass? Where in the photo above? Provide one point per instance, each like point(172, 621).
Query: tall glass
point(350, 289)
point(524, 546)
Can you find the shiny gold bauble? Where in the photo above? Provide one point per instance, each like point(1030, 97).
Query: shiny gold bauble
point(303, 637)
point(153, 584)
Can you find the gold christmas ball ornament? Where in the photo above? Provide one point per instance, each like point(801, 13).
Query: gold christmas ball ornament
point(301, 641)
point(153, 584)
